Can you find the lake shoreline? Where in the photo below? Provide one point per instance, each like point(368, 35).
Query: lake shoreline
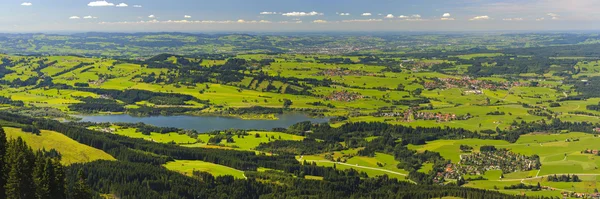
point(204, 123)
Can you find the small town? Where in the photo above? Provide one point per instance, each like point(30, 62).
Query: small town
point(470, 83)
point(501, 159)
point(344, 96)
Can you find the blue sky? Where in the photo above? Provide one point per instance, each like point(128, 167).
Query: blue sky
point(296, 15)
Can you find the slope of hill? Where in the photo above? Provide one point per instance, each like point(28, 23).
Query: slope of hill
point(71, 150)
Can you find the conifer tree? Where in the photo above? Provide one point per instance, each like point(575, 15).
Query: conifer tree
point(57, 187)
point(19, 165)
point(3, 172)
point(43, 173)
point(81, 190)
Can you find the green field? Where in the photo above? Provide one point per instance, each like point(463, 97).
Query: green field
point(187, 167)
point(360, 163)
point(71, 151)
point(248, 142)
point(155, 137)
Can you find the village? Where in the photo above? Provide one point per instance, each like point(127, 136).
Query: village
point(341, 72)
point(470, 83)
point(500, 159)
point(344, 96)
point(413, 114)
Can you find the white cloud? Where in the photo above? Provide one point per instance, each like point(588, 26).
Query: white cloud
point(446, 15)
point(389, 16)
point(151, 16)
point(187, 16)
point(100, 4)
point(540, 19)
point(26, 4)
point(344, 14)
point(414, 17)
point(74, 17)
point(137, 6)
point(319, 21)
point(479, 18)
point(362, 20)
point(447, 19)
point(301, 14)
point(154, 21)
point(268, 13)
point(90, 17)
point(122, 5)
point(512, 19)
point(554, 16)
point(366, 14)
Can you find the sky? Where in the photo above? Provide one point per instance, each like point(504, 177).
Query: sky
point(297, 15)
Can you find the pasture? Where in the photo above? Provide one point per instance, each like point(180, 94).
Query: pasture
point(187, 167)
point(71, 150)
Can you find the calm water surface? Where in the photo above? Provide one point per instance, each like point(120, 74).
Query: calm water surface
point(205, 123)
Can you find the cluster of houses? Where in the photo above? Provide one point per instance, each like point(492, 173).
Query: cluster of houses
point(344, 96)
point(580, 195)
point(340, 72)
point(412, 114)
point(440, 117)
point(470, 83)
point(419, 66)
point(590, 151)
point(106, 129)
point(501, 159)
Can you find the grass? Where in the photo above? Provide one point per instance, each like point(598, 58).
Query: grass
point(249, 142)
point(71, 150)
point(356, 162)
point(187, 167)
point(156, 137)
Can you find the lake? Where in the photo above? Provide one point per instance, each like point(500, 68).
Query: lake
point(205, 123)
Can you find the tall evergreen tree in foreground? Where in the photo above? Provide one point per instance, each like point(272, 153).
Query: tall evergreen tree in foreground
point(81, 190)
point(28, 175)
point(19, 167)
point(2, 169)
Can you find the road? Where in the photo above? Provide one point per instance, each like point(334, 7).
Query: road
point(358, 166)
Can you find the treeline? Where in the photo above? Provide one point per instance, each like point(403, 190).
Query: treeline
point(563, 178)
point(524, 186)
point(143, 111)
point(78, 66)
point(131, 96)
point(513, 65)
point(587, 89)
point(408, 135)
point(5, 62)
point(305, 147)
point(6, 100)
point(95, 105)
point(145, 129)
